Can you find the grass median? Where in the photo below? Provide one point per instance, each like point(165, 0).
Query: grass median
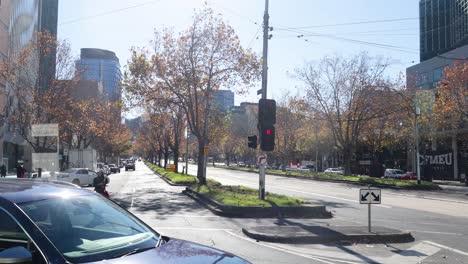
point(176, 178)
point(244, 196)
point(407, 184)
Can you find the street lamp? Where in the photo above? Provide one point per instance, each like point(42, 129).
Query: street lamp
point(417, 112)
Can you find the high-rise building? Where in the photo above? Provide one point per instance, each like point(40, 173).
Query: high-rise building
point(223, 100)
point(101, 65)
point(19, 22)
point(443, 26)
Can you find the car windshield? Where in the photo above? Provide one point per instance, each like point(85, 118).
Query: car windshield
point(89, 228)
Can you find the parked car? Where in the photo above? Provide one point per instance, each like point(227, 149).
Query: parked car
point(307, 168)
point(393, 173)
point(335, 170)
point(241, 164)
point(77, 176)
point(55, 222)
point(114, 169)
point(409, 175)
point(129, 166)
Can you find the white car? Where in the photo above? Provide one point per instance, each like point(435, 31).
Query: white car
point(78, 176)
point(307, 168)
point(335, 170)
point(393, 173)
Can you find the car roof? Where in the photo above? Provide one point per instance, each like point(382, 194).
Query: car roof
point(28, 190)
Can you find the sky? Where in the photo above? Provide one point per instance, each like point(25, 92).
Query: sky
point(343, 27)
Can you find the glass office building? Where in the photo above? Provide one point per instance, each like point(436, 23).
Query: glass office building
point(101, 65)
point(443, 26)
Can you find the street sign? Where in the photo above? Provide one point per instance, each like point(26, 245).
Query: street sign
point(262, 159)
point(45, 130)
point(370, 196)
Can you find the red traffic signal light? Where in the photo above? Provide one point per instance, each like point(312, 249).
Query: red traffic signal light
point(267, 139)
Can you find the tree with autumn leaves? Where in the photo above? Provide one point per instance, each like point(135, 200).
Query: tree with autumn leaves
point(186, 69)
point(83, 122)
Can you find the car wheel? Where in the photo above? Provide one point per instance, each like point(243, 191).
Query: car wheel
point(76, 182)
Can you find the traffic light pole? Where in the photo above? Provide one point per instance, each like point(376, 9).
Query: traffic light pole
point(266, 18)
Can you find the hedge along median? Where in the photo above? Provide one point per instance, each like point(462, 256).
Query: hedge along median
point(357, 179)
point(172, 177)
point(240, 201)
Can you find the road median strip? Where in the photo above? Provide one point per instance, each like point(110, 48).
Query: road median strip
point(327, 234)
point(172, 178)
point(355, 180)
point(240, 201)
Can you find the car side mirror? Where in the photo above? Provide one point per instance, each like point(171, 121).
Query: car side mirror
point(15, 255)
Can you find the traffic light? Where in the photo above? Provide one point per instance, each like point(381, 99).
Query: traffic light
point(252, 142)
point(267, 138)
point(266, 124)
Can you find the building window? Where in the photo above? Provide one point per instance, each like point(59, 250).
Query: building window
point(437, 74)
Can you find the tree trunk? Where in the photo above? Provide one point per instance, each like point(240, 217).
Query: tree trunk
point(166, 158)
point(228, 159)
point(347, 156)
point(159, 159)
point(201, 163)
point(176, 160)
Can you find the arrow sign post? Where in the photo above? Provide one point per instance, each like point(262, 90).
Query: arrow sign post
point(370, 196)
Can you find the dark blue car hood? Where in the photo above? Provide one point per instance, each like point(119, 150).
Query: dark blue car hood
point(180, 252)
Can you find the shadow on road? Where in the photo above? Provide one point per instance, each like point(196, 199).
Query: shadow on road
point(162, 202)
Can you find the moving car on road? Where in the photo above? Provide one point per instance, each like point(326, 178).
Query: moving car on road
point(130, 165)
point(335, 170)
point(54, 222)
point(78, 176)
point(114, 169)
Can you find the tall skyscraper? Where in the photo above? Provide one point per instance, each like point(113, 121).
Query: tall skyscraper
point(443, 26)
point(20, 20)
point(101, 65)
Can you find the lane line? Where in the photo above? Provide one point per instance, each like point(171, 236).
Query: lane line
point(194, 216)
point(320, 259)
point(194, 228)
point(445, 247)
point(439, 233)
point(131, 204)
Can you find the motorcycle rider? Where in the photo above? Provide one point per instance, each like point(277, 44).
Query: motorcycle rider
point(100, 182)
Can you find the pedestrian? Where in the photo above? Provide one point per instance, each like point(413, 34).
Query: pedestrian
point(18, 170)
point(22, 171)
point(3, 171)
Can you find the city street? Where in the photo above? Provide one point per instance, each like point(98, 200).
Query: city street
point(439, 231)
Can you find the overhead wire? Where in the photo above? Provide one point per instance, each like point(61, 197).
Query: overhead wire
point(109, 12)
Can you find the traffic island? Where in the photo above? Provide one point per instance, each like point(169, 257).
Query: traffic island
point(172, 178)
point(243, 202)
point(327, 234)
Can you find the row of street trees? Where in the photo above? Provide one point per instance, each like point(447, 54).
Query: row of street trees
point(178, 76)
point(83, 121)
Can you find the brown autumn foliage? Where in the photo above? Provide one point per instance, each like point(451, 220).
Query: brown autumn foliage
point(185, 70)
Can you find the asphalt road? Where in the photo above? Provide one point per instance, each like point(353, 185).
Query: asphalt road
point(441, 236)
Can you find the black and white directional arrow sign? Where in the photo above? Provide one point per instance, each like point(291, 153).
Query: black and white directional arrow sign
point(369, 196)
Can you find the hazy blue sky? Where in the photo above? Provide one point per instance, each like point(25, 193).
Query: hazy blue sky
point(118, 25)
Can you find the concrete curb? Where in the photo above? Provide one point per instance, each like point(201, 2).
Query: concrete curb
point(372, 238)
point(167, 180)
point(258, 212)
point(312, 178)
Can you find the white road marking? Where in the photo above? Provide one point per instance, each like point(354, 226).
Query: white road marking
point(131, 204)
point(316, 258)
point(195, 216)
point(193, 228)
point(435, 232)
point(445, 247)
